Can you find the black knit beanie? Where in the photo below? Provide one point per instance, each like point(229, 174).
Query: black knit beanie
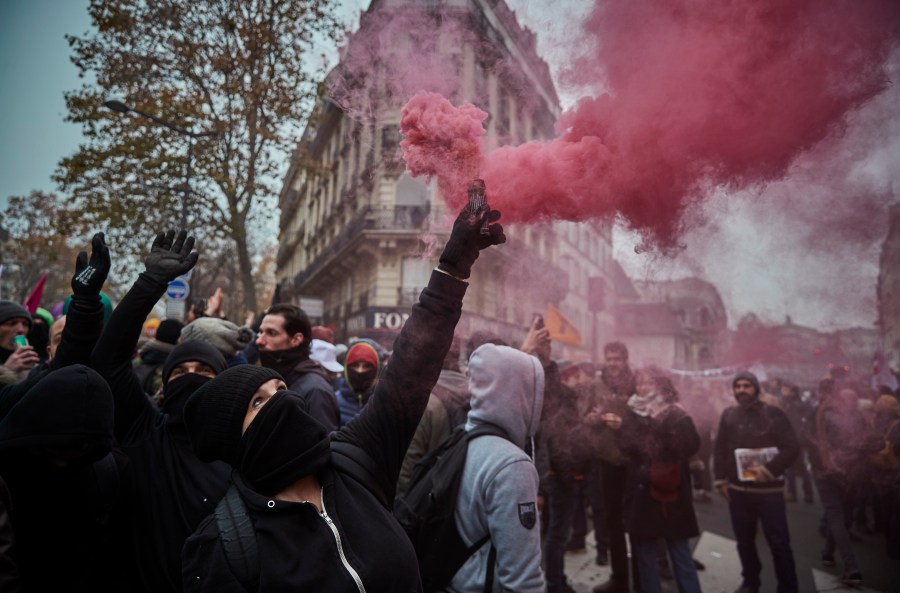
point(169, 331)
point(193, 351)
point(747, 376)
point(10, 310)
point(215, 413)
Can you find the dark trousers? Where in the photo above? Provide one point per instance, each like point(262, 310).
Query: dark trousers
point(798, 470)
point(748, 509)
point(836, 497)
point(614, 503)
point(591, 493)
point(562, 497)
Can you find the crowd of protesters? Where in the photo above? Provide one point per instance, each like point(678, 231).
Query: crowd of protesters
point(128, 443)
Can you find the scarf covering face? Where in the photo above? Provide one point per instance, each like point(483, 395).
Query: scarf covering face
point(176, 393)
point(647, 405)
point(282, 444)
point(282, 361)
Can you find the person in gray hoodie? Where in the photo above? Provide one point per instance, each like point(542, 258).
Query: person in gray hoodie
point(499, 490)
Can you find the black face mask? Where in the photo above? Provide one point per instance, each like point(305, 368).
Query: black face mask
point(282, 444)
point(361, 381)
point(282, 361)
point(176, 393)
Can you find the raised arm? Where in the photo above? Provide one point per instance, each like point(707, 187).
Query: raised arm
point(386, 424)
point(170, 256)
point(83, 323)
point(84, 320)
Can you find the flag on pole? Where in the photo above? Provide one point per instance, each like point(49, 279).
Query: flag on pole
point(34, 299)
point(561, 329)
point(881, 370)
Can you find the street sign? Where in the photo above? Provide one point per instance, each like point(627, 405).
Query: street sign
point(178, 290)
point(314, 308)
point(175, 310)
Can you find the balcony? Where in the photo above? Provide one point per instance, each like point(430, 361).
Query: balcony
point(371, 218)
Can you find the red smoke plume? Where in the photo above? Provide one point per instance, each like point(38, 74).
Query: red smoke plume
point(702, 94)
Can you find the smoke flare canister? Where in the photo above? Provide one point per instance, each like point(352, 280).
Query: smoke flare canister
point(477, 201)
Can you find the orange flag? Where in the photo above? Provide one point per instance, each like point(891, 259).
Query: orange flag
point(561, 329)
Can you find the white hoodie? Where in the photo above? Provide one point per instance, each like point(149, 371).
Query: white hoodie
point(498, 495)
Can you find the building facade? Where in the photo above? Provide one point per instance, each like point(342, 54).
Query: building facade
point(676, 324)
point(360, 235)
point(889, 290)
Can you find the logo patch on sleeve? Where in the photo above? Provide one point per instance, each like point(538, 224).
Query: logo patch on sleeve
point(527, 514)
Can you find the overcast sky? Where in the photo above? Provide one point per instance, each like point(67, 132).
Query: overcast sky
point(777, 251)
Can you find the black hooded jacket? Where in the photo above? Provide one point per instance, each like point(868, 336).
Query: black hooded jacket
point(172, 490)
point(357, 536)
point(64, 515)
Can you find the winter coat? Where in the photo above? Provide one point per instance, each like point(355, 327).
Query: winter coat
point(65, 519)
point(308, 379)
point(837, 443)
point(172, 490)
point(449, 399)
point(755, 426)
point(499, 489)
point(356, 536)
point(658, 495)
point(349, 402)
point(563, 433)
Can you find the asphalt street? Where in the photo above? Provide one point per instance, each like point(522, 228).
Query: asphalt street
point(716, 550)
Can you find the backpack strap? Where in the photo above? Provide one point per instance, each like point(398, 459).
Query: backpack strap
point(238, 538)
point(489, 573)
point(355, 462)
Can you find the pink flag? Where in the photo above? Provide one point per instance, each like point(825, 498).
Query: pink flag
point(34, 299)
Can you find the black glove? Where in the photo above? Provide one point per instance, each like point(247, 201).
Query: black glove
point(90, 275)
point(170, 256)
point(466, 240)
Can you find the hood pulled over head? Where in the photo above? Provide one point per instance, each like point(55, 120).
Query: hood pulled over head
point(507, 389)
point(71, 408)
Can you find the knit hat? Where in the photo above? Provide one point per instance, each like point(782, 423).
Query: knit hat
point(214, 414)
point(193, 351)
point(320, 332)
point(223, 335)
point(324, 353)
point(107, 308)
point(10, 310)
point(169, 330)
point(567, 368)
point(887, 404)
point(46, 315)
point(364, 350)
point(747, 376)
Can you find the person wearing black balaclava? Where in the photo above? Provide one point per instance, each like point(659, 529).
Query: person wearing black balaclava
point(56, 458)
point(318, 527)
point(172, 490)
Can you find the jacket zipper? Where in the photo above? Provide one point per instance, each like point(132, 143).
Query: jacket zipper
point(340, 547)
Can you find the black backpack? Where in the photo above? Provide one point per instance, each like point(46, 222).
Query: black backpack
point(426, 511)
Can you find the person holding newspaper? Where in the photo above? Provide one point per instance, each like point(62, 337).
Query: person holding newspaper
point(755, 444)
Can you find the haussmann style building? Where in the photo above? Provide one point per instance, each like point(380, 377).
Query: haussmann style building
point(359, 237)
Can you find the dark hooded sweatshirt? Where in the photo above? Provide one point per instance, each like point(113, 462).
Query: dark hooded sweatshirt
point(172, 489)
point(298, 548)
point(64, 518)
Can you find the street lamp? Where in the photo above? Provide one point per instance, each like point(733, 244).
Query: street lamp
point(120, 107)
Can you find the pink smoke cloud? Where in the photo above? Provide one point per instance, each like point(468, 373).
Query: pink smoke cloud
point(702, 94)
point(443, 141)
